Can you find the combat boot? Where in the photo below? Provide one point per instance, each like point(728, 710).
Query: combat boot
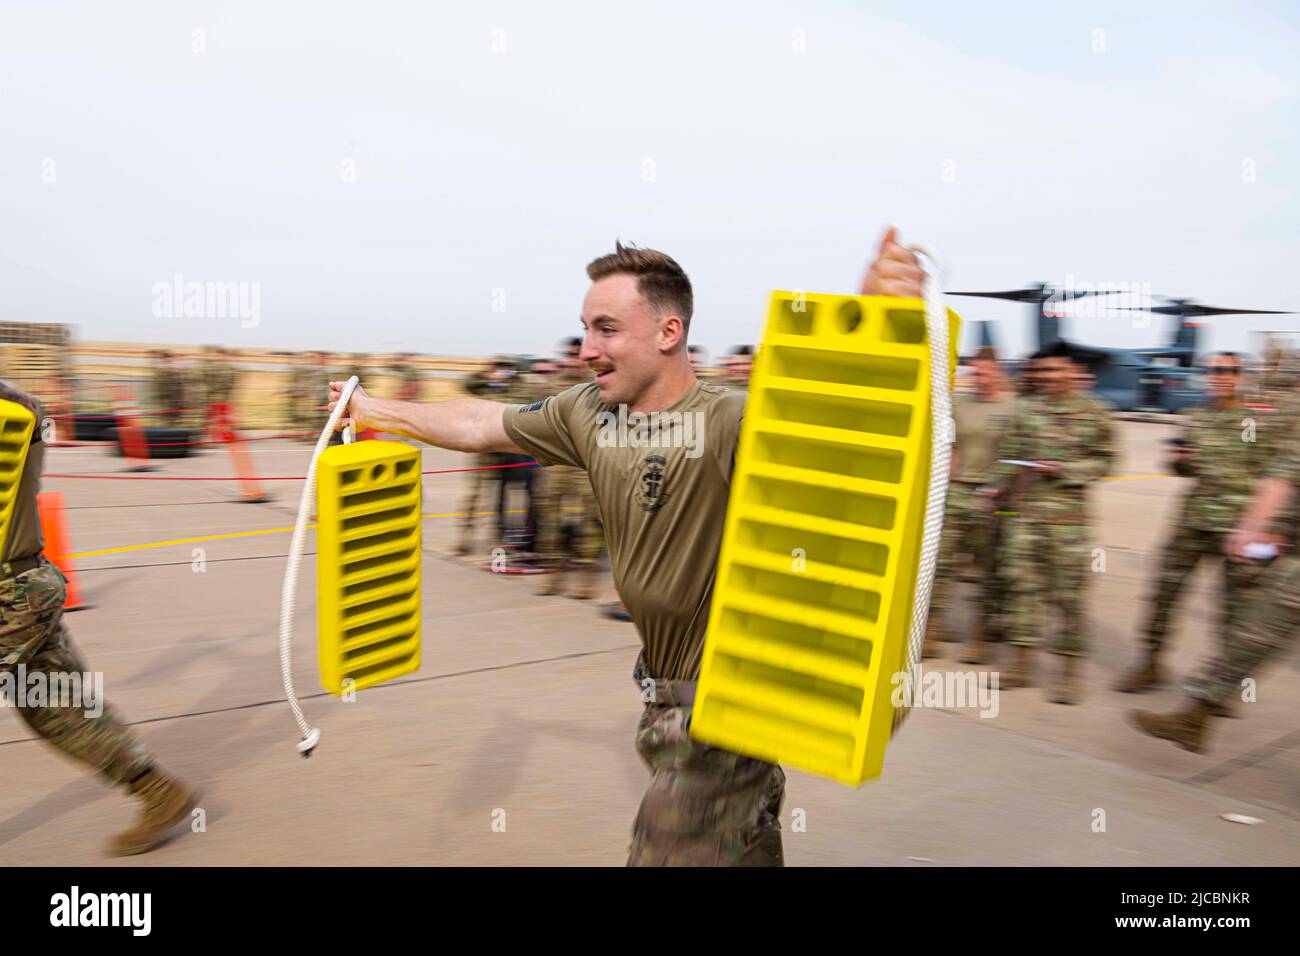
point(552, 584)
point(978, 650)
point(1021, 671)
point(1223, 710)
point(1184, 727)
point(166, 802)
point(584, 588)
point(1067, 688)
point(934, 633)
point(1141, 677)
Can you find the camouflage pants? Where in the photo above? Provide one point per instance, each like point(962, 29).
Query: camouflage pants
point(705, 806)
point(1178, 559)
point(973, 538)
point(167, 412)
point(480, 489)
point(302, 419)
point(1266, 626)
point(32, 633)
point(554, 490)
point(1048, 567)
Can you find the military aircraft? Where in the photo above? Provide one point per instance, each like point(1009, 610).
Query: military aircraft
point(1159, 378)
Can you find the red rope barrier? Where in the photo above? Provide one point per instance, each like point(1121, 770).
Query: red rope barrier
point(169, 444)
point(161, 411)
point(440, 471)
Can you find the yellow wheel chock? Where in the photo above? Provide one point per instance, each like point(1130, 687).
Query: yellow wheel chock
point(819, 558)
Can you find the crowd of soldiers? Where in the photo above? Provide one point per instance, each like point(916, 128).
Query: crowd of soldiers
point(1018, 528)
point(185, 396)
point(182, 397)
point(302, 395)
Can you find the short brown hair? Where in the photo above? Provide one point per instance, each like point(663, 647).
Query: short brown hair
point(660, 280)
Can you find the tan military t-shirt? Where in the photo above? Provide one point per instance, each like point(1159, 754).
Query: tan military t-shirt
point(24, 538)
point(661, 485)
point(982, 424)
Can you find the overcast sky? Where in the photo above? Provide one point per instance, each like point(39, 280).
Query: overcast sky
point(435, 176)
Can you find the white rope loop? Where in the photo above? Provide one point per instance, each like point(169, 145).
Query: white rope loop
point(943, 434)
point(310, 735)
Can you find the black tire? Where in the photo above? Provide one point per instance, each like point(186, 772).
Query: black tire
point(164, 442)
point(92, 427)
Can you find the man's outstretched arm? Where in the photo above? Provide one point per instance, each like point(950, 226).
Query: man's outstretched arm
point(460, 424)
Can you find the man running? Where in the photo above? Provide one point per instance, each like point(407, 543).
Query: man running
point(34, 641)
point(663, 502)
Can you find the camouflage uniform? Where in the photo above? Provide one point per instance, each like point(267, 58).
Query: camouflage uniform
point(1048, 542)
point(308, 388)
point(560, 487)
point(1279, 376)
point(168, 395)
point(296, 397)
point(522, 472)
point(480, 485)
point(1266, 625)
point(410, 383)
point(1224, 463)
point(217, 379)
point(32, 634)
point(705, 806)
point(971, 534)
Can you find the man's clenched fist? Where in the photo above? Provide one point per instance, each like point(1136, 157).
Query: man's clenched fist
point(355, 412)
point(895, 272)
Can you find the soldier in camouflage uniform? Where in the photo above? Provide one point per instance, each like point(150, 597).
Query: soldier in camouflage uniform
point(1070, 439)
point(303, 412)
point(736, 368)
point(1278, 375)
point(1027, 380)
point(296, 394)
point(481, 485)
point(663, 510)
point(562, 488)
point(1224, 447)
point(1266, 626)
point(410, 381)
point(970, 533)
point(168, 388)
point(216, 379)
point(34, 640)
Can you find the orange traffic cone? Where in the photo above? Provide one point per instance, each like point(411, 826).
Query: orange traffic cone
point(55, 532)
point(130, 436)
point(250, 489)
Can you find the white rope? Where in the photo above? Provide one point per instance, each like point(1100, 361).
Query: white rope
point(943, 434)
point(310, 735)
